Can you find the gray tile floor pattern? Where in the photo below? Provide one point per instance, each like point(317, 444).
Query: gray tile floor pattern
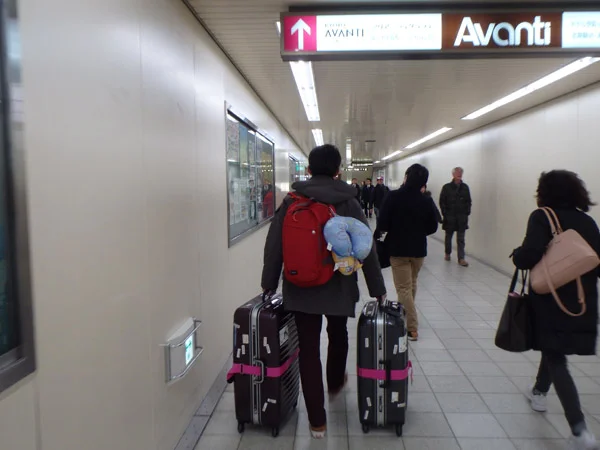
point(467, 394)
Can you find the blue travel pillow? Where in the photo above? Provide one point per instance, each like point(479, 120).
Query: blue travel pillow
point(348, 237)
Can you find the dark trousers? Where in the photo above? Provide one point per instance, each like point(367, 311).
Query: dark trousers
point(460, 242)
point(311, 372)
point(368, 207)
point(553, 369)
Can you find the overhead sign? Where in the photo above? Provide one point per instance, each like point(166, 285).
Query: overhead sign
point(377, 36)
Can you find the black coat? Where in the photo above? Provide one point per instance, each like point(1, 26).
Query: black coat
point(553, 329)
point(378, 195)
point(438, 214)
point(367, 192)
point(358, 191)
point(455, 203)
point(408, 217)
point(339, 296)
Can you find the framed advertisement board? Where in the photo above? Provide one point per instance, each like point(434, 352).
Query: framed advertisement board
point(250, 177)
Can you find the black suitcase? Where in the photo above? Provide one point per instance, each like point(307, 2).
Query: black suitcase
point(265, 363)
point(383, 366)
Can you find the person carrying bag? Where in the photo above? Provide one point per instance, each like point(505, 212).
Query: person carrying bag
point(561, 249)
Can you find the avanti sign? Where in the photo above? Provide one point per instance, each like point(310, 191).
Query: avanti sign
point(439, 35)
point(534, 33)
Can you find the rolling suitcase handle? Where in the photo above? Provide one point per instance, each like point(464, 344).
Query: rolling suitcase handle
point(267, 295)
point(383, 303)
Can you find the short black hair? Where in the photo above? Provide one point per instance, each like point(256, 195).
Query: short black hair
point(325, 160)
point(417, 176)
point(368, 179)
point(563, 189)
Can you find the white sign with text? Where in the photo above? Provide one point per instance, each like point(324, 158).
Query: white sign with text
point(379, 32)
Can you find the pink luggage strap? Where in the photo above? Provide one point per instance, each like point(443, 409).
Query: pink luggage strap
point(395, 375)
point(257, 371)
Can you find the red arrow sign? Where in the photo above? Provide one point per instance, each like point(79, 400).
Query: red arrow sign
point(300, 34)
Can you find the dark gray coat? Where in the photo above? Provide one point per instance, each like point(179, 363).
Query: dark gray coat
point(339, 296)
point(455, 203)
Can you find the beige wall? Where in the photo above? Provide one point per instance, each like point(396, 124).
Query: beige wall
point(503, 161)
point(125, 135)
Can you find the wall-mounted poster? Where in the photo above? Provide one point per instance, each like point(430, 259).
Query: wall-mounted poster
point(250, 177)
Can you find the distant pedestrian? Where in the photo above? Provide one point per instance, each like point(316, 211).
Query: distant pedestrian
point(455, 203)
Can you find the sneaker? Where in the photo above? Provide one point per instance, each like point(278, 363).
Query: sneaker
point(539, 401)
point(318, 432)
point(447, 258)
point(585, 441)
point(463, 263)
point(413, 336)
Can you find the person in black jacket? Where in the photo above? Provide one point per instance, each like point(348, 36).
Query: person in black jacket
point(358, 188)
point(367, 198)
point(555, 333)
point(408, 217)
point(438, 214)
point(378, 195)
point(336, 300)
point(455, 203)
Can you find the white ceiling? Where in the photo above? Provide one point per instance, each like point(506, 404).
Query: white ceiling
point(393, 102)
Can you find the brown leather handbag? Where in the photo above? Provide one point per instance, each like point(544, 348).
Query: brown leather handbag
point(567, 258)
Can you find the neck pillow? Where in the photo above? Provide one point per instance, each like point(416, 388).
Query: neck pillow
point(350, 241)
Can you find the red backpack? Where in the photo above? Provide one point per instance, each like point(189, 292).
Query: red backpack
point(306, 260)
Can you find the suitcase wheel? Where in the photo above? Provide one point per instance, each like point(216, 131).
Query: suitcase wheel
point(399, 430)
point(275, 432)
point(241, 427)
point(365, 428)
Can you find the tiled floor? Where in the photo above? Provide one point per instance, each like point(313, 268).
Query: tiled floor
point(466, 394)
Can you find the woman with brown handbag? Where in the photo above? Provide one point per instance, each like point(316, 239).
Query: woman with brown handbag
point(564, 322)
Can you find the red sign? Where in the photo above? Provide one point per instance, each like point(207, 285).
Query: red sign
point(299, 34)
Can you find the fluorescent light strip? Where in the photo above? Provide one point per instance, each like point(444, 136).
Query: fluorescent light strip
point(396, 153)
point(318, 135)
point(349, 149)
point(305, 82)
point(536, 85)
point(377, 162)
point(429, 137)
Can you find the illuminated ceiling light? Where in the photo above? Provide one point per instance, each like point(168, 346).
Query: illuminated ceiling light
point(278, 25)
point(377, 162)
point(428, 137)
point(318, 135)
point(305, 81)
point(536, 85)
point(396, 153)
point(348, 149)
